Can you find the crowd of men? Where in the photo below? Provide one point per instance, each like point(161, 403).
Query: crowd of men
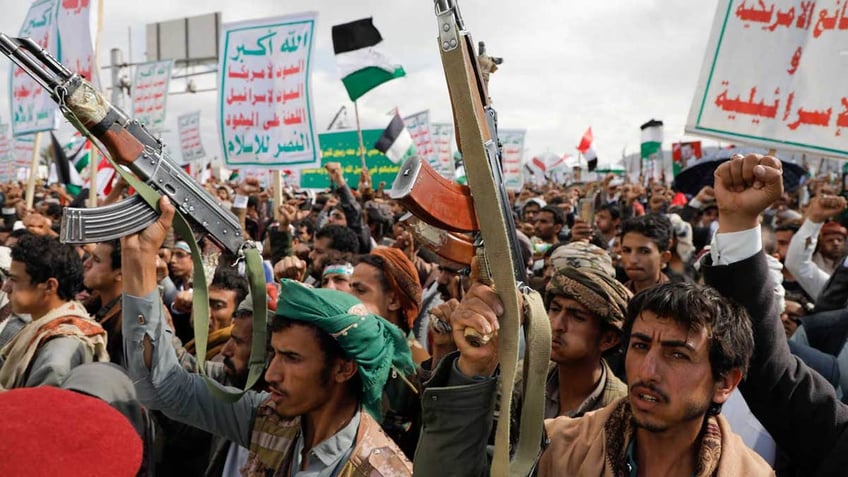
point(691, 335)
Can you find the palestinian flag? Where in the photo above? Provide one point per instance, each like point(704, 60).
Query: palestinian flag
point(361, 65)
point(651, 152)
point(396, 142)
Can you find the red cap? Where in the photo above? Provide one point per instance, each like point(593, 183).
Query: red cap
point(51, 431)
point(833, 228)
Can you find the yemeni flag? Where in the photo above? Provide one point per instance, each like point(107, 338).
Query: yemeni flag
point(651, 152)
point(361, 65)
point(396, 142)
point(62, 171)
point(587, 149)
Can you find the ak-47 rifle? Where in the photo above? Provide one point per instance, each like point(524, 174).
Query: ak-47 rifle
point(130, 144)
point(499, 256)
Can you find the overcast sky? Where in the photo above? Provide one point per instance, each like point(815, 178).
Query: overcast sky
point(567, 65)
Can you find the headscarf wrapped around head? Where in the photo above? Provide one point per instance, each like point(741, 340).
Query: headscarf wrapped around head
point(582, 255)
point(601, 294)
point(403, 279)
point(375, 344)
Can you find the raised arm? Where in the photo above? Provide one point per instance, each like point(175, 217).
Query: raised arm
point(151, 360)
point(796, 405)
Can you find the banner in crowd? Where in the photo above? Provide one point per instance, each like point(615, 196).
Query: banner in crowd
point(266, 116)
point(419, 128)
point(511, 157)
point(188, 126)
point(22, 151)
point(150, 93)
point(78, 22)
point(342, 146)
point(442, 134)
point(32, 108)
point(791, 95)
point(7, 163)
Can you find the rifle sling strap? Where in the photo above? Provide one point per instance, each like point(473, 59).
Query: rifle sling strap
point(473, 131)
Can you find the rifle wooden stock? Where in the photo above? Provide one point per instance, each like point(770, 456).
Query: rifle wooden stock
point(448, 245)
point(434, 199)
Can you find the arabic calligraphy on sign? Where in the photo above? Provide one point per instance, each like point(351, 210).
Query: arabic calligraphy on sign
point(188, 126)
point(771, 78)
point(150, 93)
point(266, 113)
point(32, 108)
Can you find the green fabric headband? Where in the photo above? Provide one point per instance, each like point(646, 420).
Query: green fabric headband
point(376, 345)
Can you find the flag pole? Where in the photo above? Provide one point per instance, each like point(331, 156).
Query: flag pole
point(359, 133)
point(93, 156)
point(33, 171)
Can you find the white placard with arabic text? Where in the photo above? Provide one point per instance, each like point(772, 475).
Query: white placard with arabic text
point(266, 115)
point(443, 147)
point(150, 93)
point(32, 108)
point(774, 75)
point(512, 141)
point(418, 125)
point(78, 21)
point(191, 146)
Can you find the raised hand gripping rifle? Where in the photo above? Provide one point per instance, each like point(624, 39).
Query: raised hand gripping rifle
point(498, 252)
point(129, 144)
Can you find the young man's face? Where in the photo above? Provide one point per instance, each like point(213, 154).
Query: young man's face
point(222, 305)
point(24, 295)
point(298, 376)
point(641, 258)
point(669, 374)
point(98, 273)
point(545, 227)
point(575, 332)
point(783, 237)
point(832, 246)
point(181, 264)
point(604, 222)
point(336, 281)
point(236, 350)
point(316, 256)
point(530, 211)
point(366, 285)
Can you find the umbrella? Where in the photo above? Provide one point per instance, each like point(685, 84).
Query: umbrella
point(693, 178)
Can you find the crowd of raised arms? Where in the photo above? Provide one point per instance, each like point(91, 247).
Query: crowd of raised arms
point(700, 335)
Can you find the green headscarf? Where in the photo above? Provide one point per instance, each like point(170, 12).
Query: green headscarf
point(376, 345)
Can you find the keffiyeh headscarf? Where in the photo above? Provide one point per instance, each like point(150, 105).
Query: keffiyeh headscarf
point(376, 345)
point(583, 255)
point(601, 294)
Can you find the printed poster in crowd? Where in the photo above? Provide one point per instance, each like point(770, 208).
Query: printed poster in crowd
point(418, 126)
point(188, 128)
point(22, 149)
point(7, 163)
point(774, 76)
point(32, 108)
point(512, 141)
point(78, 22)
point(442, 134)
point(343, 147)
point(150, 93)
point(266, 111)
